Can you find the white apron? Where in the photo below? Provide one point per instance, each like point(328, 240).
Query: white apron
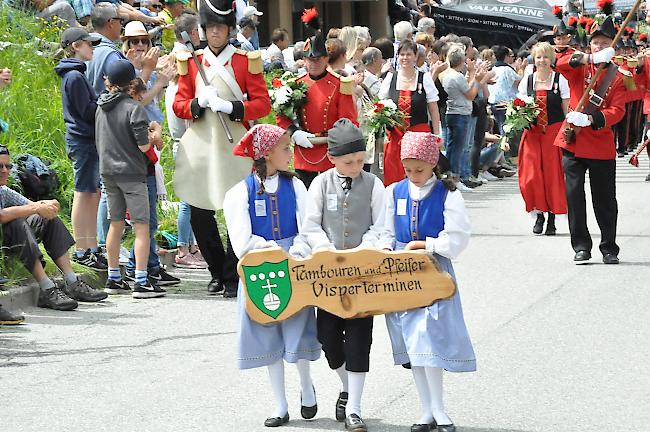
point(205, 165)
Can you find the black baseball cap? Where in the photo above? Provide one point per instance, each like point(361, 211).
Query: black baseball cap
point(74, 34)
point(120, 72)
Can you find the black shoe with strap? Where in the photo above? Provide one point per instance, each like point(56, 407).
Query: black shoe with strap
point(308, 412)
point(8, 318)
point(81, 291)
point(341, 403)
point(354, 422)
point(424, 427)
point(55, 298)
point(276, 421)
point(447, 428)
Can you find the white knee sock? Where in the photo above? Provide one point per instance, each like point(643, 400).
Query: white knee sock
point(356, 381)
point(276, 374)
point(422, 386)
point(343, 374)
point(306, 384)
point(434, 379)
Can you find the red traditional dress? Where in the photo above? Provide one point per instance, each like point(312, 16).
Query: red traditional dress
point(414, 105)
point(541, 178)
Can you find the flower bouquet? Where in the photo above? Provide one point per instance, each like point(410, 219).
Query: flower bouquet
point(521, 113)
point(382, 114)
point(288, 95)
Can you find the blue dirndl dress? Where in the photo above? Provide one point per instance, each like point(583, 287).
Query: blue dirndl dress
point(293, 339)
point(433, 336)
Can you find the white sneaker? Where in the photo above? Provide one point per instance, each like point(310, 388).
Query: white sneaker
point(487, 176)
point(461, 187)
point(481, 179)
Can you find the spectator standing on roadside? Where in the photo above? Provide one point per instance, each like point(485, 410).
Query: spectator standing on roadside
point(252, 13)
point(504, 89)
point(247, 29)
point(79, 103)
point(171, 10)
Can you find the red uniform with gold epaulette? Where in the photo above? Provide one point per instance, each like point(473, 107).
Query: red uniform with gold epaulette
point(328, 100)
point(256, 105)
point(596, 141)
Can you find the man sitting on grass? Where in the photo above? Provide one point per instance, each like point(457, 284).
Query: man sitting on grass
point(26, 223)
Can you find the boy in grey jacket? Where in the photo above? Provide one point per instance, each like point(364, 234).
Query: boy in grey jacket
point(123, 136)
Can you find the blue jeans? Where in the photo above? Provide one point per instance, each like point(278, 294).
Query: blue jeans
point(465, 161)
point(153, 265)
point(489, 155)
point(456, 137)
point(499, 117)
point(102, 219)
point(185, 233)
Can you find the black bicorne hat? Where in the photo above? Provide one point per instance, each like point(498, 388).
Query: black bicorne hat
point(315, 45)
point(217, 12)
point(606, 28)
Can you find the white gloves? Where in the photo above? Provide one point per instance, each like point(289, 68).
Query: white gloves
point(206, 94)
point(298, 250)
point(301, 138)
point(220, 105)
point(578, 119)
point(603, 56)
point(263, 244)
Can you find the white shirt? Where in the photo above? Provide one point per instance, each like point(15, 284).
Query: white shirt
point(372, 82)
point(565, 92)
point(429, 86)
point(453, 238)
point(312, 231)
point(235, 210)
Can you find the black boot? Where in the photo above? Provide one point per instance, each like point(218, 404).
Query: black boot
point(550, 225)
point(539, 224)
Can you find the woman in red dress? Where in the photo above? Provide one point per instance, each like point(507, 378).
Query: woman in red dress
point(541, 179)
point(415, 95)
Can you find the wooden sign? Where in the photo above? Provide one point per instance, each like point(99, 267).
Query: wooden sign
point(349, 284)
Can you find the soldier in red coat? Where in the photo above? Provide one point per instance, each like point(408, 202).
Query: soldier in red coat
point(329, 98)
point(593, 148)
point(205, 166)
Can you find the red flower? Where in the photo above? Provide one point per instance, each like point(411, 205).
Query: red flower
point(557, 11)
point(378, 107)
point(605, 6)
point(309, 17)
point(573, 21)
point(583, 21)
point(276, 83)
point(518, 103)
point(643, 37)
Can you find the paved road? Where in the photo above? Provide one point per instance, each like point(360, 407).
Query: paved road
point(560, 347)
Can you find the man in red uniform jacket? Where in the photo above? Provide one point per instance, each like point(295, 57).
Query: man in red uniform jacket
point(593, 148)
point(205, 166)
point(329, 98)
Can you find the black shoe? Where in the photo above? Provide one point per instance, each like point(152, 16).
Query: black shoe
point(276, 421)
point(447, 428)
point(308, 412)
point(81, 291)
point(620, 154)
point(420, 427)
point(147, 291)
point(100, 257)
point(610, 258)
point(162, 278)
point(355, 423)
point(496, 172)
point(647, 178)
point(89, 259)
point(112, 287)
point(215, 287)
point(341, 403)
point(582, 257)
point(550, 225)
point(129, 275)
point(7, 318)
point(230, 290)
point(539, 224)
point(55, 298)
point(470, 184)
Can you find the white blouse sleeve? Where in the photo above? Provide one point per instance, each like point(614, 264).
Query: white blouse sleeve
point(311, 229)
point(385, 86)
point(454, 237)
point(522, 90)
point(387, 239)
point(565, 92)
point(430, 88)
point(238, 221)
point(372, 236)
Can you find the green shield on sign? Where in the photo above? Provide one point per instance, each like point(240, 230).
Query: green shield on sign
point(269, 287)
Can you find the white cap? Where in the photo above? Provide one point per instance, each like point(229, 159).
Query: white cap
point(252, 10)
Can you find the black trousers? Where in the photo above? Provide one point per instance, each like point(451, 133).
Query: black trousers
point(307, 176)
point(345, 341)
point(222, 264)
point(20, 237)
point(602, 180)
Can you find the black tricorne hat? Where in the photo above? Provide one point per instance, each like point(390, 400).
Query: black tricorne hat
point(217, 12)
point(606, 28)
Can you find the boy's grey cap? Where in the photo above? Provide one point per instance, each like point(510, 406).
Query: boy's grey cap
point(74, 34)
point(345, 138)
